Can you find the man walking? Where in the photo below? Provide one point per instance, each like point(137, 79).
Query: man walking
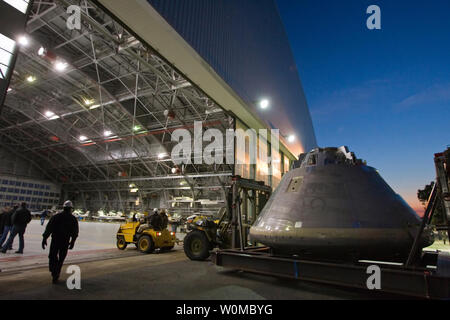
point(7, 225)
point(19, 220)
point(44, 215)
point(63, 227)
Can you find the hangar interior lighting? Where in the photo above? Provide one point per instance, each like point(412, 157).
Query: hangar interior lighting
point(88, 102)
point(31, 79)
point(60, 65)
point(23, 41)
point(107, 133)
point(49, 114)
point(162, 155)
point(82, 138)
point(41, 51)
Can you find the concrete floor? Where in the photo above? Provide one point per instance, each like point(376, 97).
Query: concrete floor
point(108, 273)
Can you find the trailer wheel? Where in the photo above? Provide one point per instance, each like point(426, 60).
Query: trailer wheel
point(146, 244)
point(196, 245)
point(121, 243)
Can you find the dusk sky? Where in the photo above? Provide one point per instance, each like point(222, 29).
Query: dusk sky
point(384, 93)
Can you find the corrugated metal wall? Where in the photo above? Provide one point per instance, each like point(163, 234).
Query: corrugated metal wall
point(245, 42)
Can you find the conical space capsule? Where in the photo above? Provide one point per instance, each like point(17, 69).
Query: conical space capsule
point(332, 205)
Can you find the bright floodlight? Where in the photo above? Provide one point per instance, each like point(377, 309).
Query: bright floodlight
point(49, 114)
point(41, 51)
point(23, 41)
point(88, 101)
point(107, 133)
point(162, 155)
point(291, 138)
point(83, 138)
point(264, 103)
point(60, 65)
point(31, 79)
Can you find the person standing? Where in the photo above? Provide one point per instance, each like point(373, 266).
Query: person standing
point(63, 227)
point(44, 215)
point(19, 220)
point(7, 225)
point(164, 220)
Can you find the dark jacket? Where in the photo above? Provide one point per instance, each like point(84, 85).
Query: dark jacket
point(63, 227)
point(21, 217)
point(2, 222)
point(164, 221)
point(155, 221)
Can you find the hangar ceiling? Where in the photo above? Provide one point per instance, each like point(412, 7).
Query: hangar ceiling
point(95, 108)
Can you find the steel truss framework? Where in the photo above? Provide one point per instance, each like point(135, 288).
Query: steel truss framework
point(112, 82)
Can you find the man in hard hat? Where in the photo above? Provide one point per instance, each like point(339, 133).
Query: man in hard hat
point(63, 227)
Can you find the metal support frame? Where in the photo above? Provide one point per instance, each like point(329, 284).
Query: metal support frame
point(422, 283)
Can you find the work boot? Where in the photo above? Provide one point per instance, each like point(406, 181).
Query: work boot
point(19, 252)
point(3, 250)
point(55, 278)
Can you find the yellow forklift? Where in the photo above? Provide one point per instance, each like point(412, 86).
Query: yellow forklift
point(146, 241)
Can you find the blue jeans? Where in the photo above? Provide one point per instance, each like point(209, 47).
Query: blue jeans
point(20, 230)
point(42, 221)
point(6, 231)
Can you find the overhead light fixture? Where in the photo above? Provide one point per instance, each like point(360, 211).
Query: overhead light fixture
point(137, 128)
point(23, 41)
point(41, 51)
point(162, 155)
point(134, 190)
point(264, 103)
point(49, 114)
point(60, 65)
point(31, 79)
point(88, 102)
point(291, 138)
point(9, 89)
point(82, 138)
point(107, 133)
point(95, 106)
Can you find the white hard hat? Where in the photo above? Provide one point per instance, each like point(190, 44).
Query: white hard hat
point(68, 204)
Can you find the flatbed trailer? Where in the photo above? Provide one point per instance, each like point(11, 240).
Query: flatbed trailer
point(429, 278)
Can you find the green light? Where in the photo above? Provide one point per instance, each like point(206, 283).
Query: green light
point(137, 128)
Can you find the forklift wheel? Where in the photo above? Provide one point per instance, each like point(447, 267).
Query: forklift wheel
point(146, 244)
point(196, 245)
point(121, 243)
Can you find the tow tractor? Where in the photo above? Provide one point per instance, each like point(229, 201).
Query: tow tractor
point(206, 233)
point(146, 241)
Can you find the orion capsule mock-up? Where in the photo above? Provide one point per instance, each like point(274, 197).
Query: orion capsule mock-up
point(331, 204)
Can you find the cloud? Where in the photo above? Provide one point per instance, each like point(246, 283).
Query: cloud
point(354, 99)
point(436, 94)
